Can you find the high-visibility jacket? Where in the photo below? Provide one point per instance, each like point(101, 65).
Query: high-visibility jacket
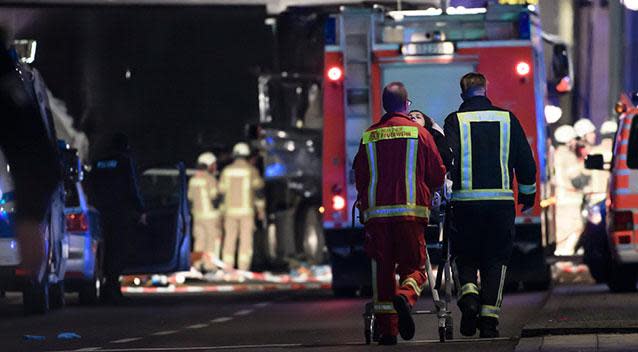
point(489, 146)
point(202, 192)
point(241, 185)
point(395, 168)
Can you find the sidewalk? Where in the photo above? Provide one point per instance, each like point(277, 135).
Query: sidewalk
point(583, 318)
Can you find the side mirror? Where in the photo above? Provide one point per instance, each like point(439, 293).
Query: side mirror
point(594, 162)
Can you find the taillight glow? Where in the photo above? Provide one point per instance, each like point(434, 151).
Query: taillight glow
point(623, 221)
point(76, 222)
point(522, 68)
point(335, 73)
point(338, 202)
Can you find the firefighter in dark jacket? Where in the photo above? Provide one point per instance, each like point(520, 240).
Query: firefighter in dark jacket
point(488, 147)
point(116, 195)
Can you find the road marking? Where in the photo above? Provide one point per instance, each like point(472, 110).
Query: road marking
point(243, 312)
point(131, 339)
point(221, 320)
point(164, 333)
point(197, 326)
point(262, 304)
point(87, 349)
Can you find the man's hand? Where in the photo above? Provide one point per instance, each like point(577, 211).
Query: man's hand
point(30, 235)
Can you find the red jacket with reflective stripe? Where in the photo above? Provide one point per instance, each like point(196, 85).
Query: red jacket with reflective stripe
point(396, 168)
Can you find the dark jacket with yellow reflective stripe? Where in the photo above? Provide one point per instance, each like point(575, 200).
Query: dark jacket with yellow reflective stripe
point(489, 147)
point(395, 168)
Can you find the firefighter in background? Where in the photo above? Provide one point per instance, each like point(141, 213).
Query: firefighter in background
point(567, 169)
point(489, 147)
point(115, 193)
point(241, 188)
point(396, 168)
point(586, 132)
point(207, 231)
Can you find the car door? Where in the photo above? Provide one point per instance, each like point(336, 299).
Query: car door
point(162, 245)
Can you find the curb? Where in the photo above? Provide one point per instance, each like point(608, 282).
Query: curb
point(539, 332)
point(227, 288)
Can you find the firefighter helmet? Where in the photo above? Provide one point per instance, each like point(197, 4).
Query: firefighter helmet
point(207, 159)
point(608, 128)
point(241, 150)
point(564, 134)
point(584, 126)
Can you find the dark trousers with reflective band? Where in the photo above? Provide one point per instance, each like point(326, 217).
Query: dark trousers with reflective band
point(395, 248)
point(482, 236)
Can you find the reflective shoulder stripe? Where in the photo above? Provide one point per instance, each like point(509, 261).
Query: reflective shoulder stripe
point(465, 119)
point(371, 151)
point(490, 311)
point(469, 288)
point(527, 189)
point(385, 133)
point(483, 194)
point(397, 210)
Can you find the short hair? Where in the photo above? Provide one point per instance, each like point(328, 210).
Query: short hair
point(473, 81)
point(394, 97)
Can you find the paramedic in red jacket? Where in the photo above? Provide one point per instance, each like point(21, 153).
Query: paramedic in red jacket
point(396, 168)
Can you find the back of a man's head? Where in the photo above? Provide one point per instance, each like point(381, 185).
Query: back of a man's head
point(473, 84)
point(395, 97)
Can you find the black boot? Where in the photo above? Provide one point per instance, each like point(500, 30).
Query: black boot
point(469, 306)
point(488, 327)
point(406, 323)
point(387, 340)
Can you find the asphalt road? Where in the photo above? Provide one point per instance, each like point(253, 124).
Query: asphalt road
point(276, 321)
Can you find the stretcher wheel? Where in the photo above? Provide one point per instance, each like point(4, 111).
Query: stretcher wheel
point(449, 328)
point(442, 333)
point(369, 324)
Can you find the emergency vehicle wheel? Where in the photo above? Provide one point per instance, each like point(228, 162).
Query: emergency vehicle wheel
point(56, 295)
point(622, 278)
point(91, 291)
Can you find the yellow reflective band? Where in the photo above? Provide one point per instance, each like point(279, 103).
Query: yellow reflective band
point(413, 285)
point(410, 171)
point(371, 151)
point(465, 119)
point(490, 311)
point(482, 194)
point(384, 308)
point(397, 210)
point(469, 288)
point(385, 133)
point(527, 189)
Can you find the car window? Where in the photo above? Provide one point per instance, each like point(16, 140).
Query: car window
point(632, 150)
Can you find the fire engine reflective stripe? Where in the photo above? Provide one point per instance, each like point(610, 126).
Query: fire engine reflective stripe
point(397, 210)
point(410, 282)
point(385, 133)
point(384, 308)
point(410, 171)
point(482, 194)
point(469, 288)
point(527, 189)
point(465, 120)
point(490, 311)
point(499, 299)
point(372, 163)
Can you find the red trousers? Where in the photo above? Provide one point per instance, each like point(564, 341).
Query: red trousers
point(395, 248)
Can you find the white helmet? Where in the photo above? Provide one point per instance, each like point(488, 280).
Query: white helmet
point(584, 126)
point(564, 134)
point(207, 159)
point(241, 150)
point(608, 127)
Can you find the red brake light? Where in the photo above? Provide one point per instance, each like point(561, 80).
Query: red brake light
point(76, 222)
point(338, 202)
point(522, 68)
point(623, 221)
point(335, 73)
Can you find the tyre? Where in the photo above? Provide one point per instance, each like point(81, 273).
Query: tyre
point(56, 295)
point(35, 298)
point(622, 278)
point(311, 241)
point(543, 283)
